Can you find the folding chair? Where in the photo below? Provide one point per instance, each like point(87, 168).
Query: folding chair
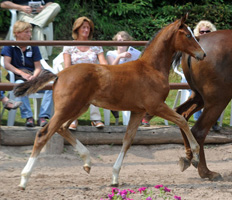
point(48, 31)
point(36, 96)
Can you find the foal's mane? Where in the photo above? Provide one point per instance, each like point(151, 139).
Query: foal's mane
point(153, 38)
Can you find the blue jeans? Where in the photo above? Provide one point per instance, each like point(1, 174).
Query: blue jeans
point(1, 95)
point(197, 114)
point(45, 108)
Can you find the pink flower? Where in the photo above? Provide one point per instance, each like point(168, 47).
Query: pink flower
point(166, 189)
point(142, 189)
point(176, 197)
point(131, 191)
point(158, 186)
point(110, 196)
point(114, 190)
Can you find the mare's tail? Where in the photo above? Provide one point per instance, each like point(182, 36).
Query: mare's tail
point(32, 86)
point(176, 60)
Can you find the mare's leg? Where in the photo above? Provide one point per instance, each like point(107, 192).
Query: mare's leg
point(200, 130)
point(167, 113)
point(132, 127)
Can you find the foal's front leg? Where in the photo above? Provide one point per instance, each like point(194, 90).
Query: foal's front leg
point(135, 120)
point(167, 113)
point(193, 104)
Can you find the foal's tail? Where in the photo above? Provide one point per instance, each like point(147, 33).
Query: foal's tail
point(34, 85)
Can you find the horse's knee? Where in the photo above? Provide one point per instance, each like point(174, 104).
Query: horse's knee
point(199, 135)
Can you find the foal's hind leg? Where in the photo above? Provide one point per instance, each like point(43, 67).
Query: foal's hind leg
point(42, 137)
point(78, 146)
point(132, 127)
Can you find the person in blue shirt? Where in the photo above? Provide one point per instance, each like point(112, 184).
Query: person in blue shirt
point(24, 62)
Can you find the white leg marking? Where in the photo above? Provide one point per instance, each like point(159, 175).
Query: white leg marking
point(27, 170)
point(116, 168)
point(195, 37)
point(84, 153)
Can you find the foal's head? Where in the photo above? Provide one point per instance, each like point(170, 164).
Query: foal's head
point(185, 41)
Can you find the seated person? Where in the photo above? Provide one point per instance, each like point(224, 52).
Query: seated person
point(24, 62)
point(9, 103)
point(39, 18)
point(82, 30)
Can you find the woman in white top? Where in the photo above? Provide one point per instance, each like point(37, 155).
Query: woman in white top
point(82, 31)
point(119, 56)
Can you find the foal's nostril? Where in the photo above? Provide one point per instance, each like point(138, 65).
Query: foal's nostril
point(204, 54)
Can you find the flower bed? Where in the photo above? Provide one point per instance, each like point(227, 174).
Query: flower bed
point(164, 194)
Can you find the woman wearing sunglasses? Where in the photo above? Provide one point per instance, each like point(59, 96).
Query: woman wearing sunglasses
point(203, 27)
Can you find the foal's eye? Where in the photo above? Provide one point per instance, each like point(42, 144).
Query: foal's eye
point(188, 36)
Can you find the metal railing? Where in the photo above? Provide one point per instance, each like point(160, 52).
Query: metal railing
point(10, 86)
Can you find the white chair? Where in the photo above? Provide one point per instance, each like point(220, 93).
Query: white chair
point(36, 96)
point(182, 95)
point(48, 31)
point(57, 66)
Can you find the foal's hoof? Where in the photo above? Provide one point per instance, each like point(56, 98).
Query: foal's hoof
point(194, 163)
point(184, 163)
point(114, 185)
point(87, 169)
point(21, 188)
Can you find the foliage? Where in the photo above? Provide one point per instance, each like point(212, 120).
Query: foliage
point(139, 17)
point(4, 20)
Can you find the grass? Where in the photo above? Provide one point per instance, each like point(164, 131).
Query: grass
point(85, 118)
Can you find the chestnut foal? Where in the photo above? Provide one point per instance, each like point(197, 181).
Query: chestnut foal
point(140, 86)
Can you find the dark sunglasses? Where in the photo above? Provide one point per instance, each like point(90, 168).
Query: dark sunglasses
point(202, 32)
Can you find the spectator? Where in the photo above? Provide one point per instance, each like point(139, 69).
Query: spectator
point(24, 62)
point(38, 18)
point(119, 56)
point(82, 30)
point(201, 28)
point(9, 103)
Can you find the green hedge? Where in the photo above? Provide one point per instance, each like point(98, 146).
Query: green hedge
point(140, 18)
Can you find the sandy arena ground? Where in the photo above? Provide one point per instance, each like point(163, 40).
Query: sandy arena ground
point(61, 177)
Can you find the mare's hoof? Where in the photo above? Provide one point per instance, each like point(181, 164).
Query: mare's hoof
point(87, 169)
point(184, 163)
point(216, 177)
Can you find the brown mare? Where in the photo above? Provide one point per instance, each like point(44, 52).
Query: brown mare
point(211, 82)
point(139, 86)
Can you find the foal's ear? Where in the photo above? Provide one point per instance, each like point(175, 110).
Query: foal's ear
point(183, 19)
